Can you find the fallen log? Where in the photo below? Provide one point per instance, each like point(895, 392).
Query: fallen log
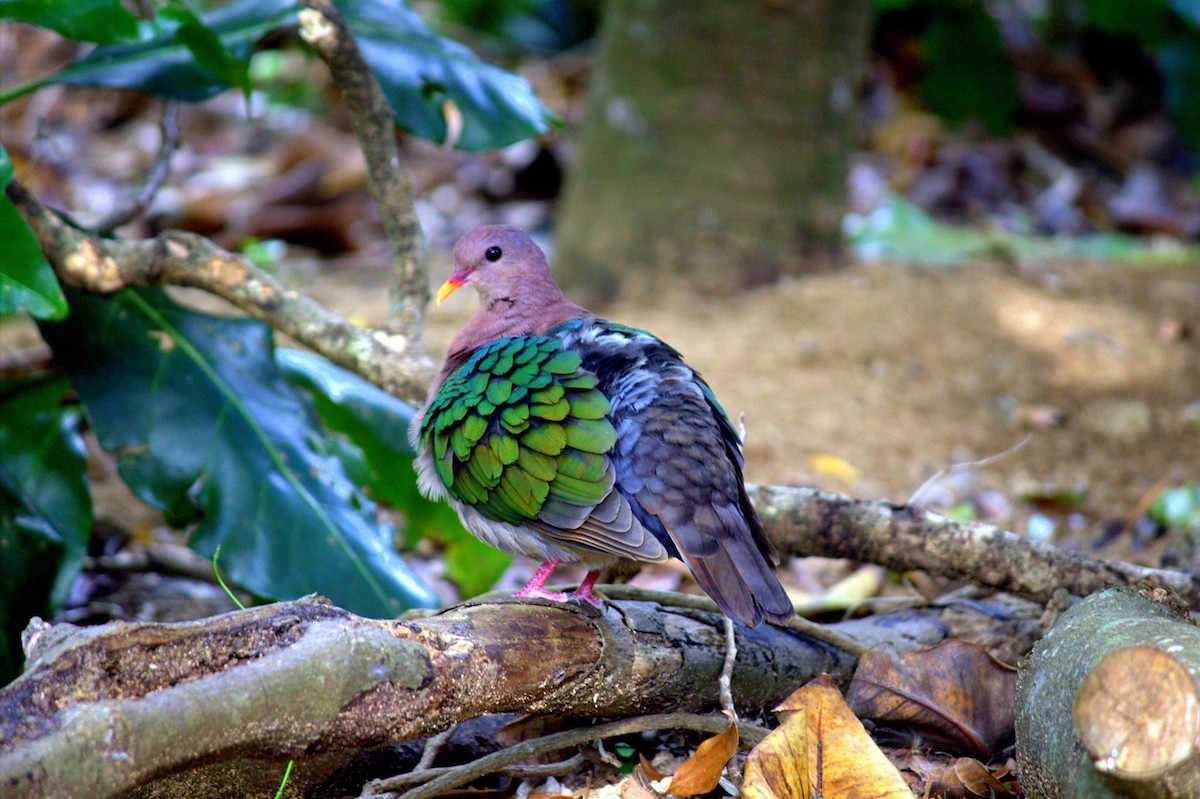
point(1108, 704)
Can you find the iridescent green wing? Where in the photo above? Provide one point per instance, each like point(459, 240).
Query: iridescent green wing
point(520, 433)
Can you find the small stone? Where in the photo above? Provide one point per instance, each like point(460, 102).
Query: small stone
point(1117, 419)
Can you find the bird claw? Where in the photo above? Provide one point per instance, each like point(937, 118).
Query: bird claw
point(558, 596)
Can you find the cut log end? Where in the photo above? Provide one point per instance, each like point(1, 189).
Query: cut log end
point(1138, 712)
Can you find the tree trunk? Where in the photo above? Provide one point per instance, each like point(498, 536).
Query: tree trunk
point(715, 143)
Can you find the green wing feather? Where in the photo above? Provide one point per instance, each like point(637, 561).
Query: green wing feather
point(521, 429)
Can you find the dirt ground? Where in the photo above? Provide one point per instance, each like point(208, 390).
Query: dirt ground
point(870, 379)
point(898, 372)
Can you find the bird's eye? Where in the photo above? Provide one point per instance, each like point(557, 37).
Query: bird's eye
point(492, 253)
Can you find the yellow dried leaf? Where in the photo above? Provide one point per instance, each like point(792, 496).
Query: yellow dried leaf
point(701, 772)
point(827, 465)
point(820, 750)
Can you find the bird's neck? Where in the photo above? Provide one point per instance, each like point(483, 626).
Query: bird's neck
point(496, 320)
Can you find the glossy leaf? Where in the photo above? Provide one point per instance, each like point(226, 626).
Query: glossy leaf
point(164, 65)
point(27, 283)
point(100, 21)
point(206, 46)
point(45, 508)
point(378, 458)
point(419, 71)
point(205, 427)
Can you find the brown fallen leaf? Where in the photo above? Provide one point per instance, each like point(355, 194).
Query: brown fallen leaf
point(701, 772)
point(820, 750)
point(954, 694)
point(967, 778)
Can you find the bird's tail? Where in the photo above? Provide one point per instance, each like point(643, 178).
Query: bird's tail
point(742, 582)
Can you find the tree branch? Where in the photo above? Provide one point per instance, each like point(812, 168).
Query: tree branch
point(120, 706)
point(393, 362)
point(375, 126)
point(804, 521)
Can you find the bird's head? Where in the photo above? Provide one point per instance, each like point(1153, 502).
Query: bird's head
point(503, 264)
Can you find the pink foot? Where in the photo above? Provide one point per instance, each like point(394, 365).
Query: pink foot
point(584, 591)
point(537, 587)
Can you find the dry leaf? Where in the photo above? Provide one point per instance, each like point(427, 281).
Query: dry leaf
point(637, 786)
point(648, 769)
point(701, 772)
point(970, 779)
point(820, 750)
point(827, 465)
point(954, 693)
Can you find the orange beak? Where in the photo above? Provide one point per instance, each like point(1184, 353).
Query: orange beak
point(450, 286)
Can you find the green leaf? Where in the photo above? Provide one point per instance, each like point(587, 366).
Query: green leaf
point(1180, 64)
point(208, 49)
point(1189, 10)
point(1148, 21)
point(162, 64)
point(967, 72)
point(45, 508)
point(419, 70)
point(204, 426)
point(27, 283)
point(100, 21)
point(379, 457)
point(1177, 508)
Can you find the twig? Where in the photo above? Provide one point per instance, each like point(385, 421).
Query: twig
point(160, 168)
point(917, 496)
point(26, 362)
point(801, 625)
point(374, 125)
point(415, 777)
point(455, 776)
point(805, 522)
point(175, 258)
point(725, 682)
point(433, 745)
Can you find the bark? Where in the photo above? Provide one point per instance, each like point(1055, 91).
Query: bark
point(104, 711)
point(1108, 705)
point(392, 361)
point(804, 521)
point(715, 144)
point(375, 127)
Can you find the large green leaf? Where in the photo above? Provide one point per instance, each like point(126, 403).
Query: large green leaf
point(45, 509)
point(419, 70)
point(101, 21)
point(379, 458)
point(967, 72)
point(163, 64)
point(27, 283)
point(205, 427)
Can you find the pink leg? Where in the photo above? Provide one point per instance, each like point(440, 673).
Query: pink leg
point(584, 591)
point(537, 585)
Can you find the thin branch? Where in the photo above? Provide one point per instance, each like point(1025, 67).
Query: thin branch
point(175, 258)
point(817, 632)
point(806, 522)
point(156, 176)
point(460, 775)
point(374, 125)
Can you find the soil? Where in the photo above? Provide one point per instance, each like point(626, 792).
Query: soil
point(871, 379)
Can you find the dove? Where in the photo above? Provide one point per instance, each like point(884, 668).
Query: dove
point(571, 439)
